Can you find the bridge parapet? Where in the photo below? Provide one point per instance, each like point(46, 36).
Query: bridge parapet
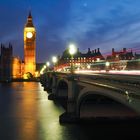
point(131, 79)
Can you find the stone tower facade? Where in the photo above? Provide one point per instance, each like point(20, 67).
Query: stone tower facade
point(6, 62)
point(29, 46)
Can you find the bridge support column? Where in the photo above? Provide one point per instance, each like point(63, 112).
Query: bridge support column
point(49, 83)
point(46, 81)
point(70, 114)
point(43, 79)
point(54, 84)
point(71, 95)
point(46, 85)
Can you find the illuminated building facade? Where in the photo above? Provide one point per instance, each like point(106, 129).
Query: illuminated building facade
point(135, 63)
point(16, 68)
point(120, 55)
point(94, 60)
point(29, 47)
point(119, 59)
point(81, 60)
point(13, 67)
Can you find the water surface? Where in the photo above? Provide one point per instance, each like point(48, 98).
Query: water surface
point(27, 114)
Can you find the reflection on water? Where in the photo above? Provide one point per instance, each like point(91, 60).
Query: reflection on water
point(25, 110)
point(22, 109)
point(27, 114)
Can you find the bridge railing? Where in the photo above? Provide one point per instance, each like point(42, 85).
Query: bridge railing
point(113, 77)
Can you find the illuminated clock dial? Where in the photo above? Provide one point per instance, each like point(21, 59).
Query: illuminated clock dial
point(29, 35)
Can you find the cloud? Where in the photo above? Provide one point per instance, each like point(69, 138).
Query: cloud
point(115, 24)
point(88, 23)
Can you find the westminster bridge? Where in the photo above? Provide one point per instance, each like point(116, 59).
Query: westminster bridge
point(94, 95)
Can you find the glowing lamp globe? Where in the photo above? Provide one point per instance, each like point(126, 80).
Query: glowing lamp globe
point(48, 64)
point(54, 59)
point(72, 49)
point(107, 64)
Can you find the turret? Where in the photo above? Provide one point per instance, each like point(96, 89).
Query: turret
point(29, 20)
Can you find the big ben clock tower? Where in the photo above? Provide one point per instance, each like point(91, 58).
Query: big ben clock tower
point(29, 46)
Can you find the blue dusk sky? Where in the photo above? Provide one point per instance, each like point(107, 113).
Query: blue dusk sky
point(103, 24)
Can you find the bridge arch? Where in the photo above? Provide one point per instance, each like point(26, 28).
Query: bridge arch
point(62, 88)
point(102, 103)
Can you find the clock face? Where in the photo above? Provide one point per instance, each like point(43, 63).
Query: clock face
point(29, 34)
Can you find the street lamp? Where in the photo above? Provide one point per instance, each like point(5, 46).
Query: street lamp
point(44, 67)
point(54, 60)
point(42, 70)
point(107, 64)
point(72, 51)
point(48, 64)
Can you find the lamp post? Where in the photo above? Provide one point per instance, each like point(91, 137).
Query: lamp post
point(48, 64)
point(107, 64)
point(42, 70)
point(72, 51)
point(54, 60)
point(44, 67)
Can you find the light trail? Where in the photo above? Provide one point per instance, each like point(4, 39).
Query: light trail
point(130, 72)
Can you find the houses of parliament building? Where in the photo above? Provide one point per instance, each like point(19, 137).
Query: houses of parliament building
point(13, 67)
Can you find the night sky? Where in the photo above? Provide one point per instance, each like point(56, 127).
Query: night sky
point(103, 24)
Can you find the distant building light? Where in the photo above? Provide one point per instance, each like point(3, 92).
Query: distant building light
point(88, 66)
point(107, 64)
point(48, 64)
point(98, 59)
point(25, 76)
point(54, 59)
point(36, 74)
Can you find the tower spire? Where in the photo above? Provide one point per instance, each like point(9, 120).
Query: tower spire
point(30, 15)
point(29, 20)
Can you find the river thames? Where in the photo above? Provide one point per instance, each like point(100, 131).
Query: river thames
point(27, 114)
